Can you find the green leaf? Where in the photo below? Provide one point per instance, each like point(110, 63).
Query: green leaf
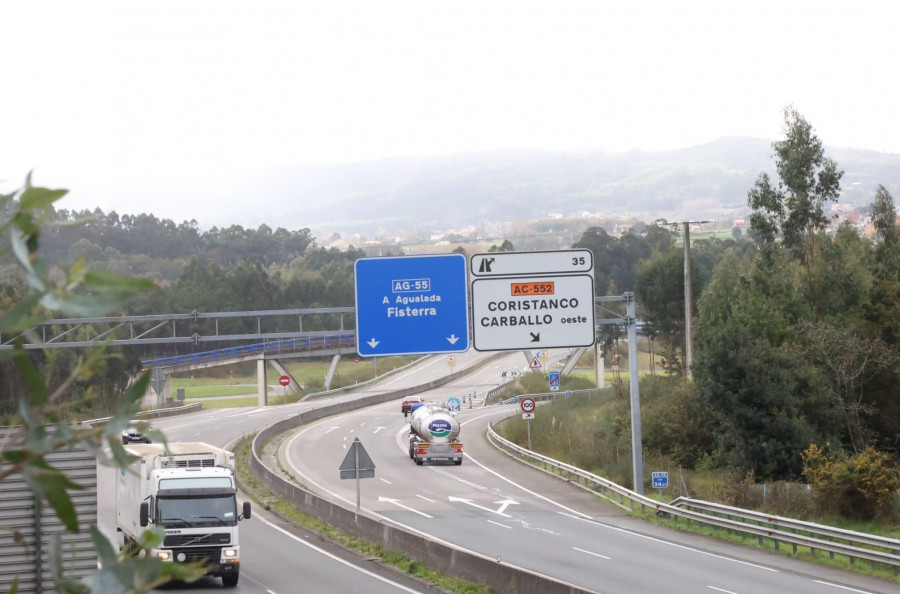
point(33, 198)
point(18, 318)
point(81, 305)
point(52, 485)
point(32, 378)
point(105, 551)
point(105, 280)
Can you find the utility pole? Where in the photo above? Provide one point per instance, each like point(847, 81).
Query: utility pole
point(688, 292)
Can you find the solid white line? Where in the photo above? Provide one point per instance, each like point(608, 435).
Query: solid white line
point(499, 524)
point(425, 498)
point(721, 590)
point(672, 544)
point(387, 481)
point(842, 587)
point(591, 553)
point(338, 559)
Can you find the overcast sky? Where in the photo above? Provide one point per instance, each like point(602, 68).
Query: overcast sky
point(166, 107)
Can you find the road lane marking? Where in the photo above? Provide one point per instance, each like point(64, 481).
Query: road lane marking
point(406, 507)
point(330, 429)
point(378, 429)
point(499, 524)
point(842, 587)
point(426, 499)
point(334, 557)
point(473, 504)
point(671, 544)
point(721, 590)
point(387, 481)
point(591, 553)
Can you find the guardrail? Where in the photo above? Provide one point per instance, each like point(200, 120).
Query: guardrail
point(308, 343)
point(817, 537)
point(155, 413)
point(589, 392)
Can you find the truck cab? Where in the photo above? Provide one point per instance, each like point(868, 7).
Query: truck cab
point(193, 498)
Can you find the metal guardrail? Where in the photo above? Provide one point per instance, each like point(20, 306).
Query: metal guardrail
point(316, 342)
point(817, 537)
point(589, 392)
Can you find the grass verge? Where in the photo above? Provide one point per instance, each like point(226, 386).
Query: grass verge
point(270, 502)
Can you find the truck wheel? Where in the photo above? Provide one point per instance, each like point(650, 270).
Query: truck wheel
point(457, 462)
point(230, 580)
point(419, 462)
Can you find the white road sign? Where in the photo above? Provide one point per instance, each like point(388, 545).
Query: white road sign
point(519, 263)
point(527, 405)
point(535, 312)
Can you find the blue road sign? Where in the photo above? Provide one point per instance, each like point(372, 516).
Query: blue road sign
point(411, 305)
point(554, 381)
point(453, 403)
point(660, 480)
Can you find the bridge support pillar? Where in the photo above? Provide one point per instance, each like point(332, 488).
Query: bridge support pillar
point(262, 389)
point(331, 370)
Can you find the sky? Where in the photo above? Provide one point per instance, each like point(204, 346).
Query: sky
point(175, 107)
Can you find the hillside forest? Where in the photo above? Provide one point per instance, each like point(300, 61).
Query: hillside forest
point(796, 359)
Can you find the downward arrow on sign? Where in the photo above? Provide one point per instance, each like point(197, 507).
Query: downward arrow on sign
point(453, 338)
point(373, 343)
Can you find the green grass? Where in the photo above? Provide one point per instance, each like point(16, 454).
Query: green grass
point(270, 502)
point(217, 390)
point(231, 402)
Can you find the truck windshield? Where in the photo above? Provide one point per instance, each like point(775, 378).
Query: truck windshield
point(200, 510)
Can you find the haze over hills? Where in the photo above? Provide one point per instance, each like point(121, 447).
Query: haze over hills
point(418, 194)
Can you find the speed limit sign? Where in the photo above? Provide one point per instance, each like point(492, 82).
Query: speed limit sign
point(527, 405)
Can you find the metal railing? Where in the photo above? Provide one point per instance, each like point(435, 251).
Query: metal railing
point(318, 341)
point(817, 537)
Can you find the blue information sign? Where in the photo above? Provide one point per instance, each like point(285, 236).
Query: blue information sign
point(411, 305)
point(660, 480)
point(554, 381)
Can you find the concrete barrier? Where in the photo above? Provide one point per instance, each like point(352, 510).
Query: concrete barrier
point(441, 556)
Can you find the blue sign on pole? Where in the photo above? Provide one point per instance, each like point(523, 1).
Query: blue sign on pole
point(411, 305)
point(554, 381)
point(660, 480)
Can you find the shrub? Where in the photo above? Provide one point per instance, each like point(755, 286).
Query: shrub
point(860, 487)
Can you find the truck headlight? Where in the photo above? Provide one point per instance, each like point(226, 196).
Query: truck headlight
point(229, 553)
point(164, 555)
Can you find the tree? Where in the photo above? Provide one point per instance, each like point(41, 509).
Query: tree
point(795, 208)
point(41, 426)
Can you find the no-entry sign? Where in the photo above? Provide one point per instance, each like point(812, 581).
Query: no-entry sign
point(284, 380)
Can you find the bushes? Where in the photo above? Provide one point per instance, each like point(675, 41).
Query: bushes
point(860, 486)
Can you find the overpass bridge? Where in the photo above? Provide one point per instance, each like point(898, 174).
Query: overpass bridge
point(284, 333)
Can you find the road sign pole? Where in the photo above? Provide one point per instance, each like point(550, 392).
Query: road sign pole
point(528, 425)
point(636, 448)
point(356, 514)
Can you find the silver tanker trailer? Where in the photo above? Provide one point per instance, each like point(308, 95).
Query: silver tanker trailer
point(434, 435)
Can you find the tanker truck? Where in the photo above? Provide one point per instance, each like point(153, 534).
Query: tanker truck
point(434, 435)
point(187, 489)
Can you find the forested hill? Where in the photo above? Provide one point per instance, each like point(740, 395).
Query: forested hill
point(415, 195)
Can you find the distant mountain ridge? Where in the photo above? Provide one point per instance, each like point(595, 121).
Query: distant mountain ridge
point(415, 195)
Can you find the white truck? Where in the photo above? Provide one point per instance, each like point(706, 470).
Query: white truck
point(188, 489)
point(434, 435)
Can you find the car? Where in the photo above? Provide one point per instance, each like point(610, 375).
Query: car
point(406, 406)
point(132, 434)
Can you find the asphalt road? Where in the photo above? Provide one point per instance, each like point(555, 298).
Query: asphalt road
point(502, 509)
point(277, 558)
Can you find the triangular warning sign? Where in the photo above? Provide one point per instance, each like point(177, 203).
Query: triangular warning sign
point(358, 461)
point(535, 363)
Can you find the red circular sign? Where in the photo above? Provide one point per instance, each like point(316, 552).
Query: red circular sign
point(284, 380)
point(527, 405)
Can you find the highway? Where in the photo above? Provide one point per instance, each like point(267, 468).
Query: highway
point(490, 504)
point(497, 507)
point(277, 558)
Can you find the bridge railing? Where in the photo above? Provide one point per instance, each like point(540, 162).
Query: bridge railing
point(307, 343)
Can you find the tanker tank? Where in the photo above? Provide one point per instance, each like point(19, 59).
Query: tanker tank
point(434, 435)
